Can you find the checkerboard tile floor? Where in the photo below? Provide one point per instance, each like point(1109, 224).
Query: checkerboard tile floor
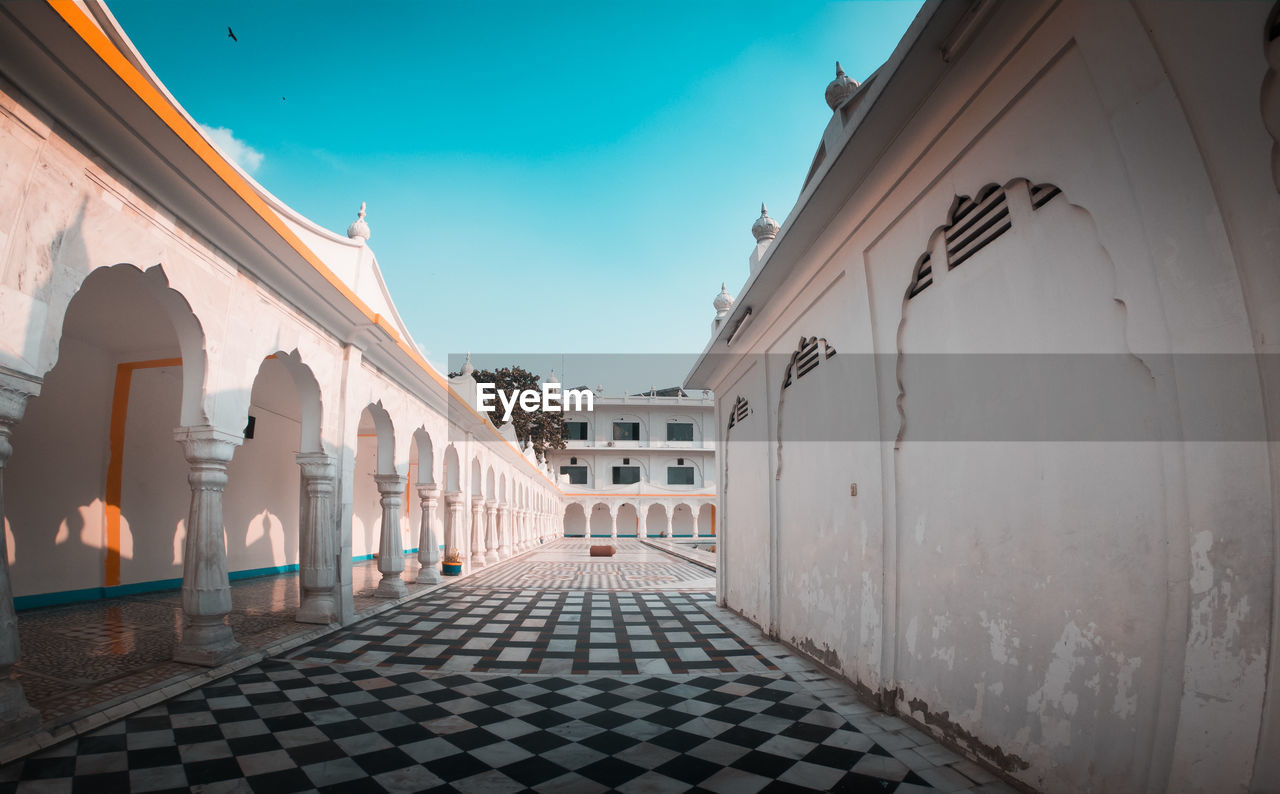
point(474, 689)
point(620, 575)
point(286, 727)
point(547, 632)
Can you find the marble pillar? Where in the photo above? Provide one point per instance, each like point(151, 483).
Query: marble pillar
point(318, 540)
point(390, 546)
point(504, 531)
point(455, 531)
point(16, 714)
point(491, 531)
point(477, 532)
point(428, 544)
point(206, 593)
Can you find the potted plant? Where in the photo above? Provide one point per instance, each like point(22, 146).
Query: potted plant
point(452, 562)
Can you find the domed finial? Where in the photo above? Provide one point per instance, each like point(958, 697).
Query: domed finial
point(467, 369)
point(723, 302)
point(840, 89)
point(359, 229)
point(765, 228)
point(553, 378)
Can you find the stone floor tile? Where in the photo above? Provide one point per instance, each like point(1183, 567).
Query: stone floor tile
point(484, 685)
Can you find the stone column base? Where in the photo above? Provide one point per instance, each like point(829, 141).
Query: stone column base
point(317, 608)
point(429, 575)
point(17, 717)
point(391, 586)
point(207, 644)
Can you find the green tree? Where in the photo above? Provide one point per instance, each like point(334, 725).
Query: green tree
point(545, 430)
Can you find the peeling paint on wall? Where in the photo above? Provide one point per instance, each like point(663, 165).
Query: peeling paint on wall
point(943, 725)
point(1002, 641)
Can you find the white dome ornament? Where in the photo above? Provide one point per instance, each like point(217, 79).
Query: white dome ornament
point(359, 230)
point(840, 89)
point(467, 369)
point(765, 228)
point(723, 303)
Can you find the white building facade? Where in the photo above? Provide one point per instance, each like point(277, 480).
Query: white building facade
point(996, 401)
point(639, 466)
point(196, 382)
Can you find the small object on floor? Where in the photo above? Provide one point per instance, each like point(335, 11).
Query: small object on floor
point(602, 551)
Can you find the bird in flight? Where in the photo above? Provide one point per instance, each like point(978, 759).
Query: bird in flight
point(231, 34)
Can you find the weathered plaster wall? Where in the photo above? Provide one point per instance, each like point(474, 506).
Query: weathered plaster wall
point(744, 548)
point(1087, 612)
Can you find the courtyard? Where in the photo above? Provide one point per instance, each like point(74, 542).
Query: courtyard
point(551, 671)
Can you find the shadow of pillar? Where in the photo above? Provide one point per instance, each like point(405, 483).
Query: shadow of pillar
point(16, 714)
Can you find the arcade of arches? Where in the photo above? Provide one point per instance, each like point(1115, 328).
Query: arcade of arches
point(187, 401)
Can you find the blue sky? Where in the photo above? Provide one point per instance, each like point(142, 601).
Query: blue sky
point(541, 178)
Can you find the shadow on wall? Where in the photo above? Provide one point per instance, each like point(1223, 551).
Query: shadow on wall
point(97, 491)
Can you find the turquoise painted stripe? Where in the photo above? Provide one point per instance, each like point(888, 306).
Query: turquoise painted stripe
point(159, 585)
point(256, 572)
point(136, 588)
point(363, 557)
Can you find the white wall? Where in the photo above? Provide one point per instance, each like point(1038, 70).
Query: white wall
point(1089, 615)
point(54, 501)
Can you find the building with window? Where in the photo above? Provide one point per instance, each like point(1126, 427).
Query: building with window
point(997, 400)
point(639, 465)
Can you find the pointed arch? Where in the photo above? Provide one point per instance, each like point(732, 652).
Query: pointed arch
point(426, 456)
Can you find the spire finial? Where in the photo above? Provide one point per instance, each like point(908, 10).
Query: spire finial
point(467, 369)
point(359, 229)
point(723, 302)
point(840, 89)
point(765, 228)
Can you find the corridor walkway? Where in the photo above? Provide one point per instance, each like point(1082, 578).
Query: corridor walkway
point(78, 658)
point(515, 679)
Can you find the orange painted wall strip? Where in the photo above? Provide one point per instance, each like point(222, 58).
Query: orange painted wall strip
point(88, 31)
point(115, 464)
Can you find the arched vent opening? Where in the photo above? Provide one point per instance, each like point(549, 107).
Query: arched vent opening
point(806, 359)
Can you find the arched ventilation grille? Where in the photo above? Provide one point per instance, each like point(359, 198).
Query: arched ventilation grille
point(739, 412)
point(811, 352)
point(973, 224)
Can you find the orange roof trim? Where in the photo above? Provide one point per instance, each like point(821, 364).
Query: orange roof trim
point(88, 31)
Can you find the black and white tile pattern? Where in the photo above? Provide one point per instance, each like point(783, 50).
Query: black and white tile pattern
point(486, 689)
point(544, 632)
point(285, 727)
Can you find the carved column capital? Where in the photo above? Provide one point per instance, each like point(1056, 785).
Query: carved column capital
point(317, 465)
point(207, 444)
point(390, 484)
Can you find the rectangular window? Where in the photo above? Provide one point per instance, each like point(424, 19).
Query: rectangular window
point(679, 475)
point(575, 431)
point(577, 474)
point(626, 475)
point(626, 431)
point(679, 431)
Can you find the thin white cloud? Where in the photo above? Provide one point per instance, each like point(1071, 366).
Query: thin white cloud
point(242, 153)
